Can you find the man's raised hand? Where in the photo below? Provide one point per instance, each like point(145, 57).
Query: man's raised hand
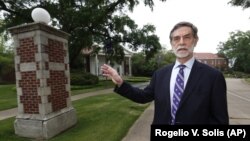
point(110, 72)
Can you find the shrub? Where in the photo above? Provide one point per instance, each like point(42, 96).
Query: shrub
point(7, 70)
point(78, 77)
point(236, 74)
point(241, 74)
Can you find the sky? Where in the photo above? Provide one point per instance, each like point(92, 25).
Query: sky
point(215, 19)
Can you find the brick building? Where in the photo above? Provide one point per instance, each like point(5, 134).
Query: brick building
point(212, 60)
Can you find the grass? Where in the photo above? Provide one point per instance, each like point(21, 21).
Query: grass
point(137, 79)
point(248, 80)
point(8, 97)
point(104, 84)
point(89, 88)
point(106, 118)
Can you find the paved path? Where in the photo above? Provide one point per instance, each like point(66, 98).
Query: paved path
point(238, 94)
point(140, 131)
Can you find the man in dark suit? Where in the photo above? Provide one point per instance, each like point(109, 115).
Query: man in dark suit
point(185, 92)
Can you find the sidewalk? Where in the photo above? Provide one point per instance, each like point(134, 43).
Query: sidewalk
point(140, 131)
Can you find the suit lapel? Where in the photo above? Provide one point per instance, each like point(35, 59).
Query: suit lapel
point(167, 86)
point(194, 76)
point(163, 86)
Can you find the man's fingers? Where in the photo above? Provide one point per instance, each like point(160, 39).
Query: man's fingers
point(105, 67)
point(106, 75)
point(107, 70)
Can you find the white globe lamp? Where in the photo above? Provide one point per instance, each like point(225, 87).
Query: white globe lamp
point(40, 15)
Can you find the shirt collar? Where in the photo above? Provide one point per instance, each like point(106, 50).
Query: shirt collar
point(188, 64)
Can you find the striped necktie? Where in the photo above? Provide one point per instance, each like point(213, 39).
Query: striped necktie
point(178, 91)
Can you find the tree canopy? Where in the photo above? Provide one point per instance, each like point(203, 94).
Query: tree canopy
point(7, 72)
point(160, 59)
point(102, 22)
point(237, 49)
point(243, 3)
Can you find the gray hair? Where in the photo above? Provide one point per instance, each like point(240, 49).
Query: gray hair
point(181, 24)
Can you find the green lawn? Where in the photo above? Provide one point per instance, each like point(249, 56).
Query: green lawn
point(248, 80)
point(89, 88)
point(8, 97)
point(100, 118)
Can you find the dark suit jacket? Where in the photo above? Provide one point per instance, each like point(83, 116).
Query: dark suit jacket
point(204, 100)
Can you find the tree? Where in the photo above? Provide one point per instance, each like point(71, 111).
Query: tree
point(160, 59)
point(242, 3)
point(237, 49)
point(7, 70)
point(148, 67)
point(89, 22)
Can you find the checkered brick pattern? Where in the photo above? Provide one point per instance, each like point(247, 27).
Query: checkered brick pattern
point(42, 72)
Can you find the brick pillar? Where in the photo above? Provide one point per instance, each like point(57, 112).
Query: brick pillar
point(42, 81)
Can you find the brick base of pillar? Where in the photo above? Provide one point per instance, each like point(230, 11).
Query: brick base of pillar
point(47, 127)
